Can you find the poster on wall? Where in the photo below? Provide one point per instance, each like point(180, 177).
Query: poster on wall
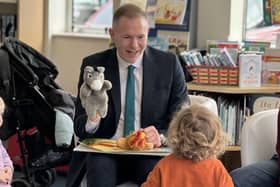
point(169, 22)
point(169, 14)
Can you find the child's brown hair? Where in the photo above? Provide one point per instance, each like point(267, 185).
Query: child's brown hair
point(195, 133)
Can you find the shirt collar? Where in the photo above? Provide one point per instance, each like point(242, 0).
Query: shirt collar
point(125, 64)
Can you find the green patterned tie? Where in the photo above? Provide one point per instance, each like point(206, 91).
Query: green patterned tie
point(129, 114)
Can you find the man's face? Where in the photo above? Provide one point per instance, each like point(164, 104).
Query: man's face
point(130, 37)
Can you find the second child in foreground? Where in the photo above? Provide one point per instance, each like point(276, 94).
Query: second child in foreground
point(196, 138)
point(6, 164)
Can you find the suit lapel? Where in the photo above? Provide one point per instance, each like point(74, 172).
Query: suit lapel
point(149, 68)
point(113, 75)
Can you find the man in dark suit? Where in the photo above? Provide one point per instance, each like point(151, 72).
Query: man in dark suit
point(160, 89)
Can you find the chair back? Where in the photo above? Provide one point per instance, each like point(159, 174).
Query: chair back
point(259, 137)
point(208, 102)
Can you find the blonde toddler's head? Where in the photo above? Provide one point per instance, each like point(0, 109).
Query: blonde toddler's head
point(195, 133)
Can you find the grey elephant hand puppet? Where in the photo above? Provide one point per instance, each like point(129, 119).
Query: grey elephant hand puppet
point(93, 92)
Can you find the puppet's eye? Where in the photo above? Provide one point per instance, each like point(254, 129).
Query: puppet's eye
point(89, 75)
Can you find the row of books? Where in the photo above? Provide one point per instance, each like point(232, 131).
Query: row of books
point(234, 112)
point(7, 26)
point(223, 58)
point(224, 53)
point(234, 47)
point(231, 114)
point(216, 47)
point(257, 63)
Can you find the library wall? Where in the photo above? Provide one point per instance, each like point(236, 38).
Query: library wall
point(30, 22)
point(219, 20)
point(212, 14)
point(67, 54)
point(67, 50)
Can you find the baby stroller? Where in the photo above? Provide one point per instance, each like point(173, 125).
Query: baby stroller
point(37, 111)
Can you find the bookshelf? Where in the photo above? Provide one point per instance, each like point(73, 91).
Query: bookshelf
point(231, 158)
point(8, 14)
point(233, 148)
point(28, 21)
point(234, 93)
point(267, 88)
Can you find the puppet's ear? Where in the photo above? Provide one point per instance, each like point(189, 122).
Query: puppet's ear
point(85, 91)
point(100, 69)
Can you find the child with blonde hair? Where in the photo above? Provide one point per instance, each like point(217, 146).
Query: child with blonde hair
point(6, 165)
point(196, 138)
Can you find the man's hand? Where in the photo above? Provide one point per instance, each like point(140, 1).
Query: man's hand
point(94, 119)
point(152, 135)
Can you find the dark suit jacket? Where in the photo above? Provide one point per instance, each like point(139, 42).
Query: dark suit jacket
point(164, 88)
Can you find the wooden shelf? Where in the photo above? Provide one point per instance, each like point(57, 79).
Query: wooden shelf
point(233, 148)
point(268, 88)
point(271, 88)
point(8, 1)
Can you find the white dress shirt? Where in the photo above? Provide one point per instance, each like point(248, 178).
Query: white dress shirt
point(123, 71)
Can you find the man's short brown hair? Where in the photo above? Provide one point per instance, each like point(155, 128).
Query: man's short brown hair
point(128, 10)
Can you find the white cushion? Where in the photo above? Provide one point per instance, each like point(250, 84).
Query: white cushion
point(259, 137)
point(208, 102)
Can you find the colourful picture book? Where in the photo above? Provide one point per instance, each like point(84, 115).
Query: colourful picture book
point(275, 11)
point(271, 66)
point(254, 46)
point(250, 68)
point(271, 70)
point(215, 46)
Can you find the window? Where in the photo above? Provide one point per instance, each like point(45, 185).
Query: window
point(262, 20)
point(92, 16)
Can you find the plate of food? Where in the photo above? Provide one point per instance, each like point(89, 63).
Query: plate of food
point(135, 143)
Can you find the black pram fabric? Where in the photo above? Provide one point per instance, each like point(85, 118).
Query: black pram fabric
point(37, 110)
point(29, 90)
